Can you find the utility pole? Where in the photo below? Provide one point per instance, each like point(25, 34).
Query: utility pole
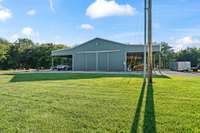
point(145, 39)
point(150, 67)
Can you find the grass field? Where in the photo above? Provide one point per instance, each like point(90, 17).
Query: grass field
point(7, 70)
point(60, 103)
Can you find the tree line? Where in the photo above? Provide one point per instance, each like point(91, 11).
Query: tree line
point(25, 54)
point(169, 55)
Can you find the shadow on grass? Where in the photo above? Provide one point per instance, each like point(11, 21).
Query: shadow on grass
point(23, 77)
point(61, 76)
point(149, 125)
point(136, 119)
point(149, 116)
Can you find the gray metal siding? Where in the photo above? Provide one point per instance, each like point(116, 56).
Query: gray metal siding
point(100, 55)
point(90, 62)
point(99, 45)
point(116, 60)
point(79, 62)
point(103, 61)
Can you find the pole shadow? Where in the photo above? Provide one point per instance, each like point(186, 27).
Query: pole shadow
point(149, 125)
point(149, 116)
point(136, 119)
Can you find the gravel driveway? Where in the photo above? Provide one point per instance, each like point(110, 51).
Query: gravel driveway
point(174, 73)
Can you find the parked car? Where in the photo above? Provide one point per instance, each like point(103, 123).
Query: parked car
point(61, 68)
point(195, 69)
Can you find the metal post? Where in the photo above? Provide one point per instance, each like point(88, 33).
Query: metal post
point(72, 62)
point(159, 61)
point(97, 61)
point(125, 61)
point(52, 62)
point(154, 61)
point(150, 81)
point(86, 60)
point(108, 62)
point(145, 39)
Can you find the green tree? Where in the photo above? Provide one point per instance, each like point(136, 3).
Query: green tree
point(189, 54)
point(25, 54)
point(19, 53)
point(4, 48)
point(167, 54)
point(45, 54)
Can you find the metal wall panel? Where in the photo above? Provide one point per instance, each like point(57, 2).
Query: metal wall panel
point(116, 61)
point(90, 61)
point(103, 61)
point(85, 59)
point(79, 62)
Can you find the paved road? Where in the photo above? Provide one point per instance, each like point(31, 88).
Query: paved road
point(181, 73)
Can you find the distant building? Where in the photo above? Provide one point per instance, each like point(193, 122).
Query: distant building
point(104, 55)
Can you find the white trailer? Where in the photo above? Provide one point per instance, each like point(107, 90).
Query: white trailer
point(183, 66)
point(180, 66)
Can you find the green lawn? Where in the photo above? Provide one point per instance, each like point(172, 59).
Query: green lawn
point(7, 70)
point(60, 103)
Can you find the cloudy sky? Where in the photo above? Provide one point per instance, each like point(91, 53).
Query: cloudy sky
point(75, 21)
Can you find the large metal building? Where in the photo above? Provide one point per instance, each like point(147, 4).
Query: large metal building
point(103, 55)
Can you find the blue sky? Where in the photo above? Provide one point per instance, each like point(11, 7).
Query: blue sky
point(75, 21)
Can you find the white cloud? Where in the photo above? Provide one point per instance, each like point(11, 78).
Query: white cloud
point(14, 37)
point(27, 31)
point(51, 5)
point(105, 8)
point(31, 12)
point(87, 27)
point(5, 14)
point(187, 41)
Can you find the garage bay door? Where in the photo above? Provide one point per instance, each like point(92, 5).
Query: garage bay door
point(99, 61)
point(90, 62)
point(103, 61)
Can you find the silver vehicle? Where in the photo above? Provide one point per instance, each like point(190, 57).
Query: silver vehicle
point(61, 68)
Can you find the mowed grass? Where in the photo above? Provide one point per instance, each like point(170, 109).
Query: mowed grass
point(60, 103)
point(3, 71)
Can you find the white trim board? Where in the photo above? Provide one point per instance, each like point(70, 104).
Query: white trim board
point(103, 51)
